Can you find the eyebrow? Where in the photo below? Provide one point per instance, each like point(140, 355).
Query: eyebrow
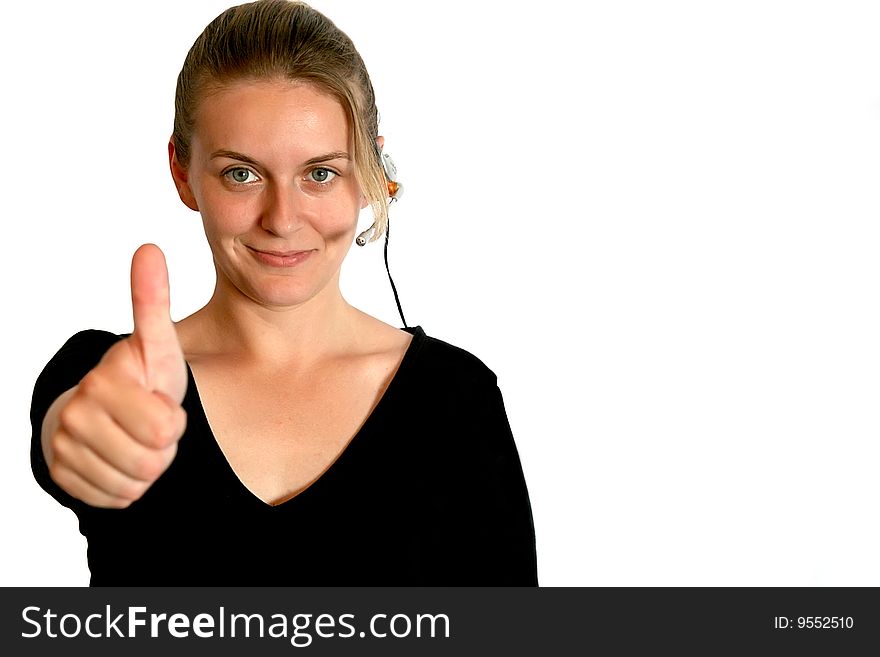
point(233, 155)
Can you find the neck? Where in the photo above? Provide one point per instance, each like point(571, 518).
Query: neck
point(235, 326)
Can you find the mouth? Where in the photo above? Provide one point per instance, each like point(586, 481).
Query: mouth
point(280, 254)
point(280, 258)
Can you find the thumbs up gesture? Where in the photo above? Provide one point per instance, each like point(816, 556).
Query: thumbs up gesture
point(109, 438)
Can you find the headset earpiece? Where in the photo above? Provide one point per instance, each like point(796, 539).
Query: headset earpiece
point(395, 189)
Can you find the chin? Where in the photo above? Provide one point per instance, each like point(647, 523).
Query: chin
point(278, 298)
point(281, 293)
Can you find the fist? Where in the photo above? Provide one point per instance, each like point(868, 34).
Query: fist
point(117, 431)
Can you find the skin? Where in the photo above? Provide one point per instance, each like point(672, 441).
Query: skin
point(277, 352)
point(107, 439)
point(267, 314)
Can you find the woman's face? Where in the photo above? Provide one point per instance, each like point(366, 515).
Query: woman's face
point(271, 172)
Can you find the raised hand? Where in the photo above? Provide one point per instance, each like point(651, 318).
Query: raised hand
point(109, 438)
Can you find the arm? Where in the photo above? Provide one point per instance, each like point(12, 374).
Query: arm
point(507, 530)
point(478, 516)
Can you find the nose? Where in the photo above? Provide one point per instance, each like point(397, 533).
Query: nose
point(284, 210)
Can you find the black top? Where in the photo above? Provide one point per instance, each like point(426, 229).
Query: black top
point(430, 491)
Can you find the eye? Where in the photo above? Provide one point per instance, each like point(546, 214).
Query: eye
point(321, 175)
point(241, 176)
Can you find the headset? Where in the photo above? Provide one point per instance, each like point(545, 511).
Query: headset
point(395, 191)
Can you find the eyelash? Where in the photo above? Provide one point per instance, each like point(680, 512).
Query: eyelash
point(228, 175)
point(333, 175)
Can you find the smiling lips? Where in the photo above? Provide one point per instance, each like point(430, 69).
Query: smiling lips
point(280, 258)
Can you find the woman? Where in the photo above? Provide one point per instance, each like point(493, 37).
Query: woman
point(279, 436)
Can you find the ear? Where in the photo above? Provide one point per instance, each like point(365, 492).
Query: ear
point(181, 178)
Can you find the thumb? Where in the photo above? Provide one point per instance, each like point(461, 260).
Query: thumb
point(154, 332)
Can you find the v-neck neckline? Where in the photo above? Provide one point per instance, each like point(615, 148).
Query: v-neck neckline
point(235, 482)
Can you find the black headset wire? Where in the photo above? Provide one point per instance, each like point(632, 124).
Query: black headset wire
point(391, 280)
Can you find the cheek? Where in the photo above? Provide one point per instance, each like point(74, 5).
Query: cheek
point(337, 214)
point(228, 214)
point(338, 217)
point(221, 224)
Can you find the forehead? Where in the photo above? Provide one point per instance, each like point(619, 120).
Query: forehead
point(282, 116)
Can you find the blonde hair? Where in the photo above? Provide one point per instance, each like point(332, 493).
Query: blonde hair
point(270, 39)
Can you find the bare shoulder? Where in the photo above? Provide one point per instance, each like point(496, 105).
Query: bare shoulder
point(190, 332)
point(379, 338)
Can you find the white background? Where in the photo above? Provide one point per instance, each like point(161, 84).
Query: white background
point(656, 222)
